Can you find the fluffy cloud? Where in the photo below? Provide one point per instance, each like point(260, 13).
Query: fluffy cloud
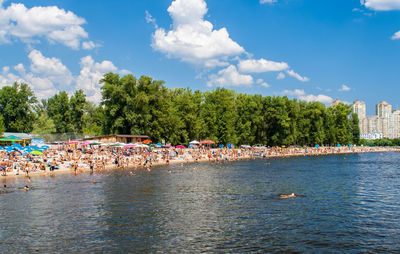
point(47, 76)
point(320, 97)
point(261, 65)
point(49, 68)
point(193, 39)
point(230, 77)
point(301, 94)
point(382, 5)
point(296, 92)
point(262, 83)
point(344, 88)
point(281, 75)
point(268, 1)
point(30, 25)
point(90, 75)
point(297, 76)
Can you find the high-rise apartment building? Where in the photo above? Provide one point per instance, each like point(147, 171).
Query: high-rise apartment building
point(385, 124)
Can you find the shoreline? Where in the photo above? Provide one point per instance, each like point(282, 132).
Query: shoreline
point(112, 167)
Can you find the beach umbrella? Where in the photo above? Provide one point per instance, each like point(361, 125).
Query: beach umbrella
point(206, 142)
point(194, 142)
point(129, 145)
point(316, 146)
point(116, 145)
point(36, 152)
point(221, 146)
point(147, 141)
point(94, 143)
point(229, 146)
point(180, 146)
point(74, 142)
point(167, 146)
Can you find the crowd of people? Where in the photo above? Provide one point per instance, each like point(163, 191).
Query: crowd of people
point(88, 158)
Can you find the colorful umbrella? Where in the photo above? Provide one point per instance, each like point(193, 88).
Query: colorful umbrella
point(180, 146)
point(207, 142)
point(36, 152)
point(129, 145)
point(147, 141)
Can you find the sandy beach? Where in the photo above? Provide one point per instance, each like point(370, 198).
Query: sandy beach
point(107, 159)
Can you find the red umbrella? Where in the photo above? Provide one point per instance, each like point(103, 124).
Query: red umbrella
point(208, 141)
point(147, 141)
point(180, 146)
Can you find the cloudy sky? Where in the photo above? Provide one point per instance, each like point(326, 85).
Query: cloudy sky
point(307, 49)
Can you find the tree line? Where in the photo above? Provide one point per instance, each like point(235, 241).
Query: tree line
point(131, 105)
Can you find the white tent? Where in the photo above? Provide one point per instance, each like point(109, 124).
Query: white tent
point(194, 142)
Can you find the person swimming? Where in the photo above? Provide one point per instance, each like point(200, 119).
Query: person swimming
point(293, 195)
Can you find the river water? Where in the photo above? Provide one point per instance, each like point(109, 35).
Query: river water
point(345, 203)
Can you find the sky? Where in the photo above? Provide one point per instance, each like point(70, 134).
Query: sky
point(311, 50)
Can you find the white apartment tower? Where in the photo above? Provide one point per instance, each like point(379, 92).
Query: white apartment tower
point(385, 124)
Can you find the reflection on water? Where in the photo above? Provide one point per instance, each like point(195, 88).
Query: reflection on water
point(345, 203)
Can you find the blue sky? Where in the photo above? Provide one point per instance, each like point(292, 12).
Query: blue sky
point(305, 49)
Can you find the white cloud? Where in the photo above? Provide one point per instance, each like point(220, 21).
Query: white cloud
point(90, 75)
point(50, 68)
point(382, 5)
point(47, 76)
point(281, 75)
point(396, 36)
point(261, 65)
point(296, 92)
point(344, 88)
point(297, 76)
point(230, 77)
point(320, 97)
point(193, 39)
point(151, 20)
point(301, 94)
point(32, 24)
point(262, 83)
point(268, 1)
point(88, 45)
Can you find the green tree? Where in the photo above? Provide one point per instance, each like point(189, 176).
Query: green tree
point(355, 128)
point(219, 115)
point(44, 125)
point(2, 127)
point(59, 110)
point(16, 107)
point(77, 104)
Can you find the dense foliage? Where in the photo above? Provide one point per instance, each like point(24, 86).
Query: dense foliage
point(146, 106)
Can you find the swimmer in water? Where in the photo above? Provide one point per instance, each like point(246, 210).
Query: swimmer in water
point(26, 188)
point(4, 187)
point(288, 196)
point(94, 181)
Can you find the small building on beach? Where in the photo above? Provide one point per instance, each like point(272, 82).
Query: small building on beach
point(121, 138)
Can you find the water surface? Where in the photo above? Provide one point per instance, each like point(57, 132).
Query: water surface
point(347, 203)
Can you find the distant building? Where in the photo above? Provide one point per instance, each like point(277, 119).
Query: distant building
point(385, 124)
point(119, 138)
point(334, 103)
